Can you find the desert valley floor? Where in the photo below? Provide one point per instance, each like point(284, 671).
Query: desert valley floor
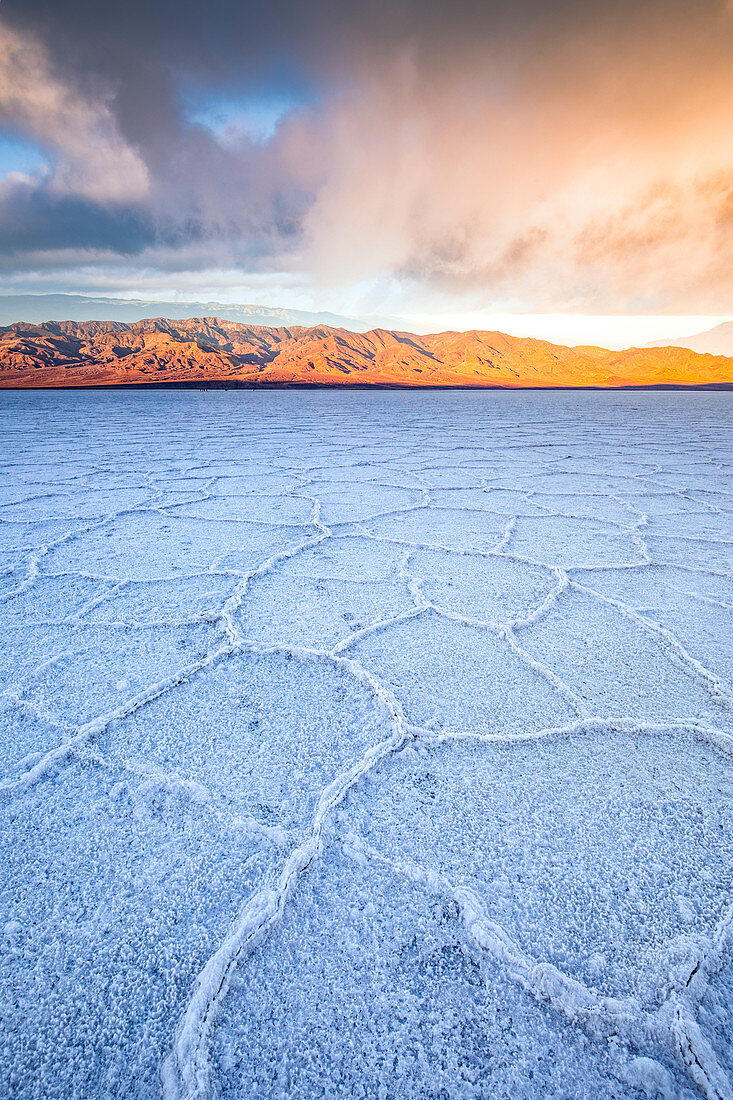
point(366, 744)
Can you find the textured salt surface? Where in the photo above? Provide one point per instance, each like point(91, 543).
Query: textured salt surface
point(366, 745)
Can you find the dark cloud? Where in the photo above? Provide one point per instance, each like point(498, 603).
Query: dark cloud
point(513, 149)
point(33, 219)
point(319, 42)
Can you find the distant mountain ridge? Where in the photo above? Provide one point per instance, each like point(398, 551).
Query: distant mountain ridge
point(220, 352)
point(715, 341)
point(39, 308)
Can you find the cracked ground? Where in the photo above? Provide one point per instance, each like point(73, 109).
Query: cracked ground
point(368, 744)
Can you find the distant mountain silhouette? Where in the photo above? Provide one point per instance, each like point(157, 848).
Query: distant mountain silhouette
point(715, 341)
point(37, 308)
point(210, 350)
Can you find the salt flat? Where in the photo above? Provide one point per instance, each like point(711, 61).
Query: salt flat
point(368, 744)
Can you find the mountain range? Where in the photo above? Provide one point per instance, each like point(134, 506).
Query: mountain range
point(38, 308)
point(214, 351)
point(716, 341)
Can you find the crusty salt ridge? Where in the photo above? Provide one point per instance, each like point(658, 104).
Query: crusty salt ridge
point(309, 696)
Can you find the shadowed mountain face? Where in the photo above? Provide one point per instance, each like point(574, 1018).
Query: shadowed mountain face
point(715, 341)
point(208, 350)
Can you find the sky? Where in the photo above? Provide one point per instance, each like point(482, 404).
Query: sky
point(565, 168)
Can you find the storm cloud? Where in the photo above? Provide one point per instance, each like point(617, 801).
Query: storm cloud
point(497, 155)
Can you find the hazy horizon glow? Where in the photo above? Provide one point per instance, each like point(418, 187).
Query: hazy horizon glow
point(576, 329)
point(406, 160)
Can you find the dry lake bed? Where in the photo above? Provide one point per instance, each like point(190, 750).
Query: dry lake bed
point(366, 744)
